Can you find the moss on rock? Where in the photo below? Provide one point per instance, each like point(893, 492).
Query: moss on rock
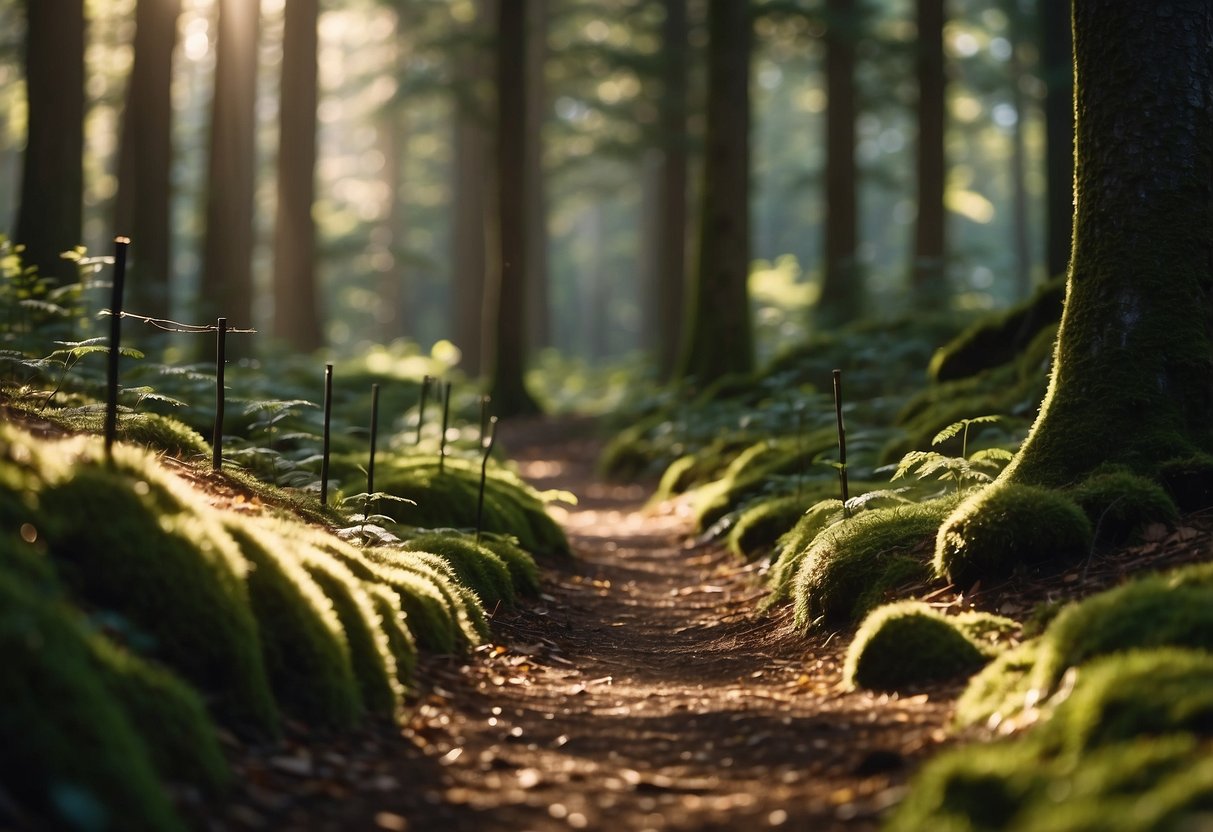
point(476, 566)
point(763, 523)
point(849, 567)
point(1120, 504)
point(903, 645)
point(1007, 526)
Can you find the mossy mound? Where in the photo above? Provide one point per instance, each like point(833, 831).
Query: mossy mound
point(794, 546)
point(1189, 481)
point(850, 567)
point(901, 646)
point(1139, 693)
point(303, 644)
point(763, 523)
point(701, 467)
point(448, 498)
point(1006, 526)
point(87, 767)
point(476, 566)
point(1001, 690)
point(148, 430)
point(1150, 612)
point(170, 716)
point(1137, 786)
point(177, 578)
point(1121, 504)
point(1001, 337)
point(524, 573)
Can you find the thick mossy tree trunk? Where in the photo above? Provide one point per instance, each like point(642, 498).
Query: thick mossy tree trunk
point(719, 338)
point(1057, 70)
point(1132, 380)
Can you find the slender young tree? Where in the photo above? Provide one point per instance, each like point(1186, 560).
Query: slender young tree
point(719, 337)
point(1058, 71)
point(1132, 381)
point(145, 158)
point(49, 216)
point(929, 275)
point(228, 248)
point(505, 295)
point(841, 287)
point(296, 317)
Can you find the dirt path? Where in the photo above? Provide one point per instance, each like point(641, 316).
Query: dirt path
point(641, 692)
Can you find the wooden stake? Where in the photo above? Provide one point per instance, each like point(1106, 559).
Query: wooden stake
point(220, 363)
point(446, 414)
point(842, 440)
point(111, 401)
point(328, 417)
point(484, 471)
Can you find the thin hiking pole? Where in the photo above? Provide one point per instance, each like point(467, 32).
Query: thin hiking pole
point(842, 440)
point(484, 472)
point(220, 363)
point(446, 414)
point(426, 381)
point(328, 419)
point(111, 402)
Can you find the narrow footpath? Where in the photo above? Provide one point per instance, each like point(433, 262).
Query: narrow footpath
point(641, 691)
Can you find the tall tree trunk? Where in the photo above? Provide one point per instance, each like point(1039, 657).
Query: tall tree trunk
point(1058, 71)
point(669, 288)
point(142, 209)
point(505, 295)
point(296, 317)
point(227, 288)
point(52, 183)
point(538, 315)
point(929, 276)
point(469, 261)
point(719, 336)
point(841, 288)
point(1132, 381)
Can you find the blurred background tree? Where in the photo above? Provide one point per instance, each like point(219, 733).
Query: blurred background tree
point(192, 137)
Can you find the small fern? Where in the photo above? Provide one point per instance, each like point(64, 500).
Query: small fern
point(979, 468)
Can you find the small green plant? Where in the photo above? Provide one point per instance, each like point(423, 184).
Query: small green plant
point(964, 469)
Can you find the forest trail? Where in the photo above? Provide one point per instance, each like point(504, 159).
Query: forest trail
point(641, 691)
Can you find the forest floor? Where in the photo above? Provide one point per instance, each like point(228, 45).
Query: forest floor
point(642, 690)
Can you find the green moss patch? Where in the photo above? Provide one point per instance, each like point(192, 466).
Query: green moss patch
point(851, 566)
point(476, 566)
point(794, 546)
point(763, 523)
point(1121, 504)
point(1006, 526)
point(904, 645)
point(69, 754)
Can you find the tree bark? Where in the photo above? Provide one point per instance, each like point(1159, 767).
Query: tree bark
point(228, 248)
point(49, 217)
point(505, 294)
point(719, 336)
point(469, 261)
point(929, 274)
point(669, 288)
point(1020, 226)
point(1132, 381)
point(296, 316)
point(841, 288)
point(142, 209)
point(1058, 71)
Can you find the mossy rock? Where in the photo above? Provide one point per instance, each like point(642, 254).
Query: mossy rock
point(763, 523)
point(794, 546)
point(1120, 505)
point(850, 567)
point(1001, 690)
point(1150, 612)
point(302, 641)
point(400, 639)
point(1001, 337)
point(476, 566)
point(177, 578)
point(69, 755)
point(1007, 526)
point(1189, 481)
point(524, 573)
point(1137, 786)
point(1140, 693)
point(146, 430)
point(170, 716)
point(901, 646)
